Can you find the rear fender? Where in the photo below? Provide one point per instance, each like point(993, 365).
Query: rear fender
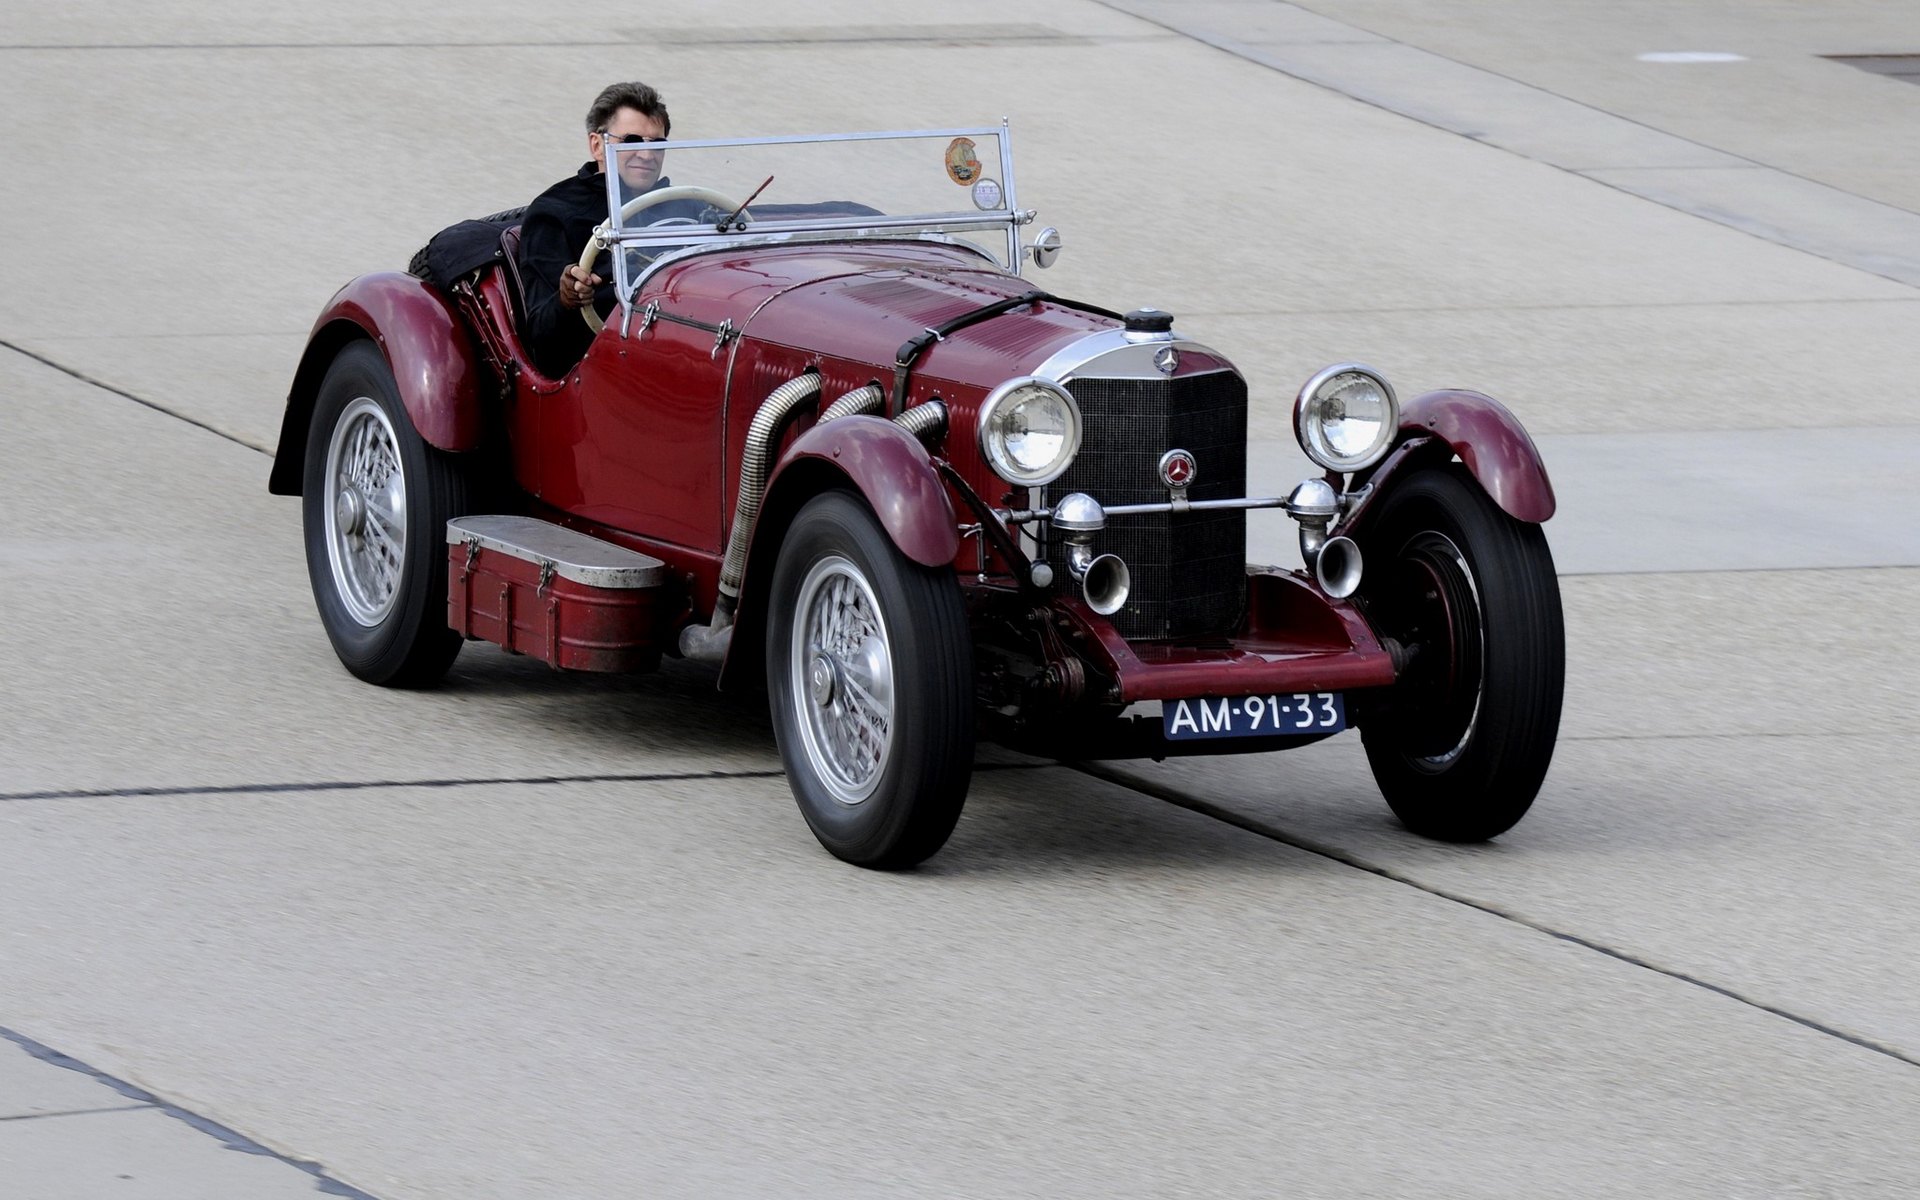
point(427, 347)
point(888, 467)
point(1491, 443)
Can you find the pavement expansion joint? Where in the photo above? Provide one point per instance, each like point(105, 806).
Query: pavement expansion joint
point(193, 335)
point(1819, 735)
point(1198, 315)
point(1765, 570)
point(1274, 833)
point(323, 1182)
point(83, 377)
point(1039, 36)
point(357, 785)
point(70, 47)
point(78, 1112)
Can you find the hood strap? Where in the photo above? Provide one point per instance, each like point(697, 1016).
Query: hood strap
point(915, 346)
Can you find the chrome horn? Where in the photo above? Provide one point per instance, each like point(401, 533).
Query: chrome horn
point(1334, 561)
point(1105, 581)
point(1337, 566)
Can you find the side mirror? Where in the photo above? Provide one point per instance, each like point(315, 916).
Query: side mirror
point(1046, 247)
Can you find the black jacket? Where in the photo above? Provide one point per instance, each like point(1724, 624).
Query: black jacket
point(552, 236)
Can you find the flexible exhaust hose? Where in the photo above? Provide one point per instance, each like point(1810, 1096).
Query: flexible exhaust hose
point(754, 466)
point(926, 421)
point(708, 643)
point(856, 402)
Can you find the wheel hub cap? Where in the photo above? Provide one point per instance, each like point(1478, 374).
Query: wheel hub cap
point(820, 678)
point(350, 512)
point(1442, 617)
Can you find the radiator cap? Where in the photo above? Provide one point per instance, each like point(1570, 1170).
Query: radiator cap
point(1149, 320)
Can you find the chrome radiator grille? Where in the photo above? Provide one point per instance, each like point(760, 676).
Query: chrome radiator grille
point(1189, 570)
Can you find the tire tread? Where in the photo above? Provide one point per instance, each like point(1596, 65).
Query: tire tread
point(918, 803)
point(1499, 774)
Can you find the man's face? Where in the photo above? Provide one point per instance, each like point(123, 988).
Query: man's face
point(639, 168)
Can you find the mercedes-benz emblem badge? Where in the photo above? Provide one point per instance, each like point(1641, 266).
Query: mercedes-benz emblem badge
point(1177, 469)
point(1167, 360)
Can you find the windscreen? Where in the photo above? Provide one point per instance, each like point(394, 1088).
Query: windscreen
point(668, 195)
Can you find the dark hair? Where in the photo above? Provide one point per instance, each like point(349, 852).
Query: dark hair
point(627, 95)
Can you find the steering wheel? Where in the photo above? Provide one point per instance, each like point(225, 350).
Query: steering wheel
point(639, 204)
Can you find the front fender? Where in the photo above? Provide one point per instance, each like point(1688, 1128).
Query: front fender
point(892, 472)
point(1492, 444)
point(426, 346)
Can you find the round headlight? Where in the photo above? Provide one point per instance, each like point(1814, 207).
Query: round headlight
point(1346, 417)
point(1029, 431)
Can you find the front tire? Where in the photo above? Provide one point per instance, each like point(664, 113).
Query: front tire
point(376, 500)
point(870, 679)
point(1462, 743)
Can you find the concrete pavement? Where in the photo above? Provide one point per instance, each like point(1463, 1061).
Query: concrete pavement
point(1522, 102)
point(530, 935)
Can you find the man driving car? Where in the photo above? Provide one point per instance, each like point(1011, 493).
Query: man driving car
point(559, 223)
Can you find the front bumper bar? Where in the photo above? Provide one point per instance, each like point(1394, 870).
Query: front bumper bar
point(1294, 638)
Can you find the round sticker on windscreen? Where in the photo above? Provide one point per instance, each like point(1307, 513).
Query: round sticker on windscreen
point(986, 193)
point(963, 165)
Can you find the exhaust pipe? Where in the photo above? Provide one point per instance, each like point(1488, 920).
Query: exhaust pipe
point(863, 401)
point(708, 643)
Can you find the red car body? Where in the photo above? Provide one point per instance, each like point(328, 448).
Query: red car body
point(643, 445)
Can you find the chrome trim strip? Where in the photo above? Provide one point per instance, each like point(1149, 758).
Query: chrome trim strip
point(1022, 516)
point(1137, 510)
point(1120, 355)
point(573, 555)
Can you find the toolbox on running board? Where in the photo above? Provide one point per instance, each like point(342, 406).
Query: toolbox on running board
point(553, 593)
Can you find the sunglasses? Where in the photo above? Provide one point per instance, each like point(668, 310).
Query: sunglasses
point(631, 139)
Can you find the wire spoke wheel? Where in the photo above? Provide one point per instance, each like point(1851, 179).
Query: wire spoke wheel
point(366, 522)
point(870, 674)
point(376, 500)
point(841, 668)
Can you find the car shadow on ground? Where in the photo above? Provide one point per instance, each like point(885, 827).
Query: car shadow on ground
point(1602, 797)
point(1033, 819)
point(1025, 816)
point(677, 706)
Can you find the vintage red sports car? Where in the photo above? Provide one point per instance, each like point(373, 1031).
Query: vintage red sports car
point(831, 442)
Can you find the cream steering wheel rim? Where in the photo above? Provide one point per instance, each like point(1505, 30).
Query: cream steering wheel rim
point(639, 204)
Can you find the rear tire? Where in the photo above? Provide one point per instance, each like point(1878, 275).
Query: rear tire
point(1461, 744)
point(870, 680)
point(376, 500)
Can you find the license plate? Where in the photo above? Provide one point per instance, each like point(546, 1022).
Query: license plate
point(1253, 716)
